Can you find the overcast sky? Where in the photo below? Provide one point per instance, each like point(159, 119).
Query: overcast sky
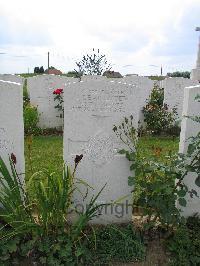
point(137, 36)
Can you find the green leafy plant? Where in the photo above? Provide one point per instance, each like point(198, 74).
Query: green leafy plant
point(155, 189)
point(31, 118)
point(15, 208)
point(8, 249)
point(184, 244)
point(26, 99)
point(52, 199)
point(157, 116)
point(39, 222)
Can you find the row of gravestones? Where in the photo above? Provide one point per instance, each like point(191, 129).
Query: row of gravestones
point(40, 89)
point(90, 113)
point(41, 94)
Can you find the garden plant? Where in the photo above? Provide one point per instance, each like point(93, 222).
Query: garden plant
point(159, 119)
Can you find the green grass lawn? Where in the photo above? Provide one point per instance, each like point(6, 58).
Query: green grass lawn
point(47, 151)
point(148, 145)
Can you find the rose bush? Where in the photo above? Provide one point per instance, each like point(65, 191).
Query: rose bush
point(59, 99)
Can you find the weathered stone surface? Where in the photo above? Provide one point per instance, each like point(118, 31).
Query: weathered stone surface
point(41, 89)
point(174, 92)
point(11, 123)
point(189, 128)
point(92, 107)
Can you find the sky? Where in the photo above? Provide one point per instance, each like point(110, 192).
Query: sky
point(137, 36)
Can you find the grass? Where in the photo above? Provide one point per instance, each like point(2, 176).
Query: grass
point(116, 243)
point(47, 151)
point(149, 145)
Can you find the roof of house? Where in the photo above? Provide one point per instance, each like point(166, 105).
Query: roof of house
point(53, 71)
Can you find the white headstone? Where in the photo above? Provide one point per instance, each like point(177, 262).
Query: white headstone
point(11, 123)
point(12, 77)
point(41, 89)
point(143, 91)
point(174, 92)
point(92, 107)
point(189, 128)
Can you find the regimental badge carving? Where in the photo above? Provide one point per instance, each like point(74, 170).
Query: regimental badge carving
point(100, 149)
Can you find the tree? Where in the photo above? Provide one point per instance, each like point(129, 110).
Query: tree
point(184, 74)
point(37, 70)
point(41, 70)
point(92, 64)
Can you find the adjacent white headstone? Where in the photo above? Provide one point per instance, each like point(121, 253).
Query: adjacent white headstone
point(41, 89)
point(189, 128)
point(12, 77)
point(11, 123)
point(92, 107)
point(174, 92)
point(144, 87)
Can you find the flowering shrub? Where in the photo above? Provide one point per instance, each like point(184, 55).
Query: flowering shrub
point(157, 116)
point(157, 186)
point(59, 99)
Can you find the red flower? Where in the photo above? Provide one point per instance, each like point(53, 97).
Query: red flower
point(13, 158)
point(78, 158)
point(58, 91)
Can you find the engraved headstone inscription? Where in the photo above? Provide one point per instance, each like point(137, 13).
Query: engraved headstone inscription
point(92, 107)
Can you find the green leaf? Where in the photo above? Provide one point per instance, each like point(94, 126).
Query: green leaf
point(43, 260)
point(181, 193)
point(130, 156)
point(182, 202)
point(197, 181)
point(79, 252)
point(122, 151)
point(131, 180)
point(12, 247)
point(133, 166)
